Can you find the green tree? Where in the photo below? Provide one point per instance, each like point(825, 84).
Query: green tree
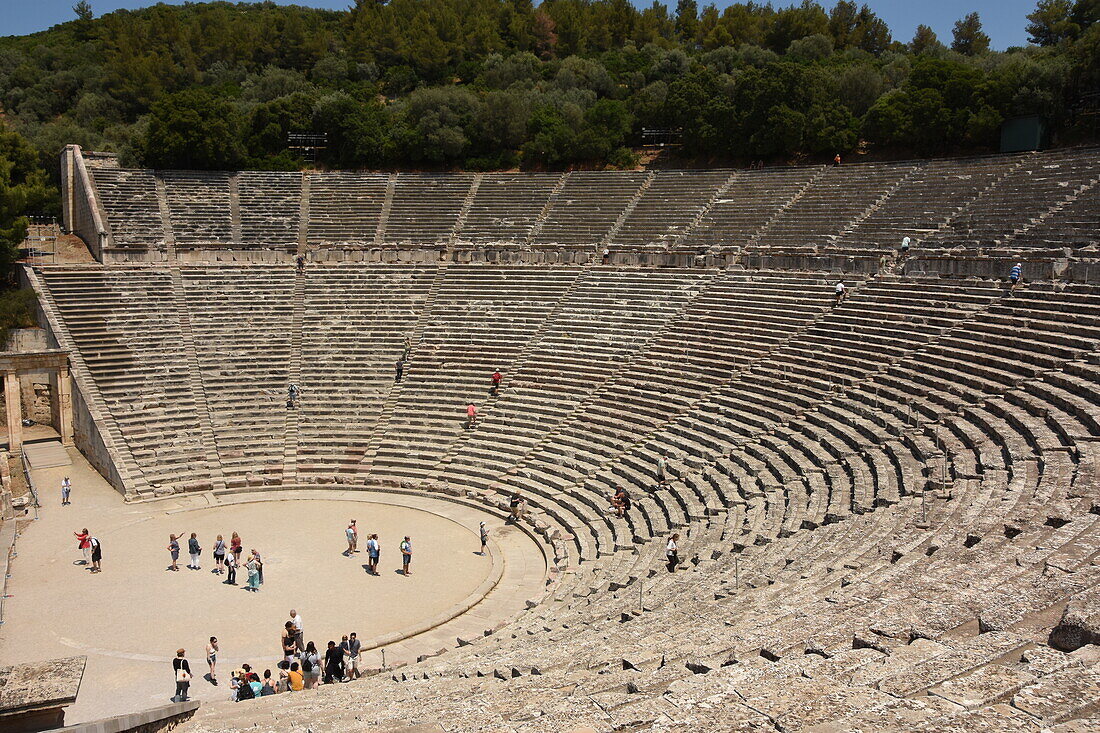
point(1049, 24)
point(687, 19)
point(924, 41)
point(23, 191)
point(82, 26)
point(192, 129)
point(969, 39)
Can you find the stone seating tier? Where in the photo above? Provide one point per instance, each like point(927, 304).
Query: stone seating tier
point(814, 216)
point(886, 500)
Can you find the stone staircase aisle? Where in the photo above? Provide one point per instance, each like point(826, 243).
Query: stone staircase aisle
point(515, 368)
point(546, 209)
point(784, 208)
point(194, 377)
point(387, 206)
point(610, 236)
point(134, 483)
point(294, 376)
point(394, 394)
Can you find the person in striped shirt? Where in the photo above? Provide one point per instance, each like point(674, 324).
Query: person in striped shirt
point(1014, 275)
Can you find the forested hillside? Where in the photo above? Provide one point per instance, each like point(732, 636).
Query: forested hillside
point(487, 84)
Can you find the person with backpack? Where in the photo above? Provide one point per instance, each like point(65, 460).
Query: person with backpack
point(194, 551)
point(244, 686)
point(311, 666)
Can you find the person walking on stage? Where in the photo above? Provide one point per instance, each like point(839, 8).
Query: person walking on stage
point(66, 488)
point(484, 539)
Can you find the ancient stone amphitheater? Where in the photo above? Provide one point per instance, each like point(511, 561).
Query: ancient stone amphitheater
point(889, 509)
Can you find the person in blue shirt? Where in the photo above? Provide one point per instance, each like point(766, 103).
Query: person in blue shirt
point(1015, 274)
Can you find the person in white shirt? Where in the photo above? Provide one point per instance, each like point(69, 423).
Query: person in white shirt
point(299, 638)
point(672, 552)
point(841, 293)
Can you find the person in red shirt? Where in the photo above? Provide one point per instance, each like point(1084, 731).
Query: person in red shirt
point(497, 377)
point(471, 415)
point(84, 542)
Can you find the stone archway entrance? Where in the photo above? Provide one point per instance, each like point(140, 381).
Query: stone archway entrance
point(13, 365)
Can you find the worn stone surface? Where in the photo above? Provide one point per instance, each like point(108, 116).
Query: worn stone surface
point(40, 684)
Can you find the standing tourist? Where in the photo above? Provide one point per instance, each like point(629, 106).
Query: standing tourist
point(840, 294)
point(311, 666)
point(1015, 274)
point(97, 553)
point(672, 550)
point(288, 641)
point(399, 369)
point(236, 546)
point(352, 647)
point(66, 487)
point(212, 658)
point(334, 664)
point(183, 676)
point(471, 415)
point(84, 545)
point(496, 380)
point(515, 506)
point(219, 555)
point(231, 565)
point(174, 551)
point(662, 470)
point(299, 634)
point(406, 555)
point(253, 568)
point(484, 539)
point(374, 550)
point(259, 565)
point(194, 551)
point(351, 534)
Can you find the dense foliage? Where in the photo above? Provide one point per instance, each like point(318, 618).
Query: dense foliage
point(497, 83)
point(23, 189)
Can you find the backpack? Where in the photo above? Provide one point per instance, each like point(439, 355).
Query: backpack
point(307, 663)
point(245, 691)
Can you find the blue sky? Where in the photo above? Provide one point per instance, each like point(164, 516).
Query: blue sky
point(1004, 20)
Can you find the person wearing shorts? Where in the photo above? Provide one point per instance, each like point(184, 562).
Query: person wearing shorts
point(374, 550)
point(406, 555)
point(351, 646)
